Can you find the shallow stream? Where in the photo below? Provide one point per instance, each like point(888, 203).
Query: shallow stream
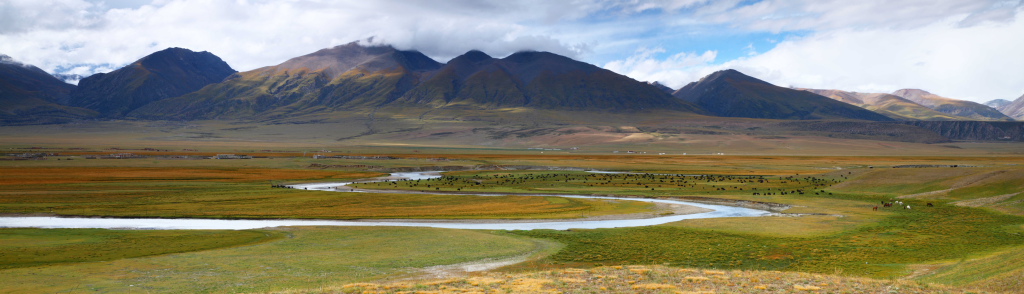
point(484, 224)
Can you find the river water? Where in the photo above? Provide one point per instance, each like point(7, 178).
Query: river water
point(484, 224)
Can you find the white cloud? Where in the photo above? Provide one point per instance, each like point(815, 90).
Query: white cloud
point(818, 15)
point(958, 48)
point(958, 56)
point(673, 71)
point(255, 33)
point(977, 63)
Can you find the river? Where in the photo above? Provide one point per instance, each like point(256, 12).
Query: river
point(483, 224)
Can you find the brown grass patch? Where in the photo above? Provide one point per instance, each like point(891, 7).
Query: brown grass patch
point(73, 175)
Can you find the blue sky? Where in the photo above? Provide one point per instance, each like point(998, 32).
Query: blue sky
point(965, 49)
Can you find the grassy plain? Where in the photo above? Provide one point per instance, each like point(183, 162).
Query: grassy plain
point(244, 191)
point(304, 257)
point(843, 234)
point(20, 248)
point(968, 238)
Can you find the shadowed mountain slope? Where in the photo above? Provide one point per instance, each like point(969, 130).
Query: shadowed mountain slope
point(734, 94)
point(968, 109)
point(354, 77)
point(1014, 109)
point(348, 76)
point(893, 106)
point(29, 95)
point(168, 73)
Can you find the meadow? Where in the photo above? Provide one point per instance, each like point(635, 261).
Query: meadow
point(829, 239)
point(246, 192)
point(297, 257)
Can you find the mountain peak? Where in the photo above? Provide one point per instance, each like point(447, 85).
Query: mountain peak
point(998, 104)
point(163, 74)
point(29, 95)
point(4, 59)
point(1014, 109)
point(734, 94)
point(531, 64)
point(474, 56)
point(337, 60)
point(732, 74)
point(536, 56)
point(957, 107)
point(906, 93)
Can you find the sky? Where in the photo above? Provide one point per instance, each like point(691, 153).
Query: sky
point(964, 49)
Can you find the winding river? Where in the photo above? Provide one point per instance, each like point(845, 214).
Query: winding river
point(225, 224)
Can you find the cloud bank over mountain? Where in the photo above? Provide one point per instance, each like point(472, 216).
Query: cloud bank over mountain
point(957, 48)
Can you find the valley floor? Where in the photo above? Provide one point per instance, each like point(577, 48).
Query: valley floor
point(964, 232)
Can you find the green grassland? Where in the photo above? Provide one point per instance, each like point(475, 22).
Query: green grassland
point(844, 234)
point(21, 248)
point(969, 238)
point(296, 257)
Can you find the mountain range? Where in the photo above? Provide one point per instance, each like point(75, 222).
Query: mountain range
point(165, 74)
point(29, 95)
point(972, 110)
point(381, 82)
point(730, 93)
point(353, 76)
point(893, 106)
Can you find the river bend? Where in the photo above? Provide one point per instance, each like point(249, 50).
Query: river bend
point(482, 224)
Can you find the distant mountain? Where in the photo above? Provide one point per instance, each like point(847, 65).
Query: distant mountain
point(168, 73)
point(29, 95)
point(734, 94)
point(998, 104)
point(968, 109)
point(354, 77)
point(893, 106)
point(1015, 109)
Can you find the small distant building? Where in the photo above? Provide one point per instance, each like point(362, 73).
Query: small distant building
point(121, 156)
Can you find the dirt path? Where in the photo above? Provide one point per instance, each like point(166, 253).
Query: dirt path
point(541, 247)
point(979, 202)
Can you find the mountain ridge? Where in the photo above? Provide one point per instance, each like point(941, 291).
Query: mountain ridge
point(29, 95)
point(893, 106)
point(355, 77)
point(731, 93)
point(1014, 109)
point(163, 74)
point(971, 110)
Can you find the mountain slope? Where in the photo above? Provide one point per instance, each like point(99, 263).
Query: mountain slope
point(1015, 109)
point(350, 76)
point(895, 107)
point(357, 78)
point(971, 110)
point(998, 104)
point(538, 80)
point(168, 73)
point(29, 95)
point(734, 94)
